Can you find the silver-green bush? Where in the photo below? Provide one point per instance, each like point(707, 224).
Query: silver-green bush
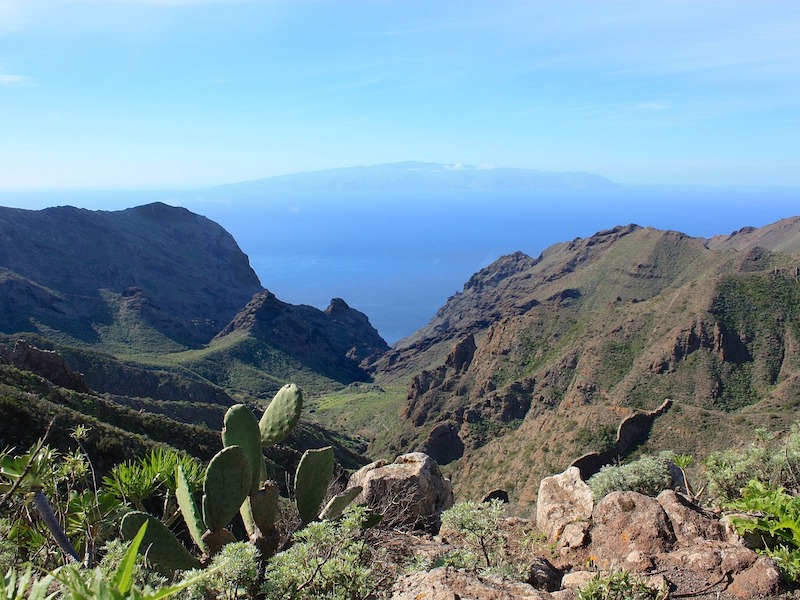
point(329, 560)
point(772, 461)
point(648, 475)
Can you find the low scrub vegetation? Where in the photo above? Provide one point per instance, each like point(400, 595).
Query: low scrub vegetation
point(67, 531)
point(647, 475)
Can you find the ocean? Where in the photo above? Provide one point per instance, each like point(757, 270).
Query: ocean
point(398, 256)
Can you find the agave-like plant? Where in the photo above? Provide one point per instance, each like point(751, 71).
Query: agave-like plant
point(153, 476)
point(120, 585)
point(21, 586)
point(28, 474)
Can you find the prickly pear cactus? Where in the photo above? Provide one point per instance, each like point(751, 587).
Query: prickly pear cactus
point(163, 549)
point(240, 428)
point(226, 486)
point(281, 415)
point(311, 482)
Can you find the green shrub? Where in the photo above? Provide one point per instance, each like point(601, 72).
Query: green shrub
point(648, 475)
point(775, 518)
point(99, 584)
point(620, 585)
point(479, 524)
point(771, 461)
point(329, 560)
point(237, 573)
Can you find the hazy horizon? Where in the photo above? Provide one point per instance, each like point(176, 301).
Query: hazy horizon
point(178, 94)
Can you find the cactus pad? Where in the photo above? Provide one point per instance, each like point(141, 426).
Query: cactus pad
point(334, 508)
point(226, 486)
point(160, 545)
point(189, 510)
point(240, 428)
point(311, 482)
point(281, 415)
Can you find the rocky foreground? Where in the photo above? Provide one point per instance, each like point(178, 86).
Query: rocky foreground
point(671, 543)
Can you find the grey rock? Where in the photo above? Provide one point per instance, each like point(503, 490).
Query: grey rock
point(411, 492)
point(562, 499)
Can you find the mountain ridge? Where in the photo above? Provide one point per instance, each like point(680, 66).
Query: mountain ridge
point(161, 281)
point(536, 361)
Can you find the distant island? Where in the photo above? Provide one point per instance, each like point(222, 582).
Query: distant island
point(421, 176)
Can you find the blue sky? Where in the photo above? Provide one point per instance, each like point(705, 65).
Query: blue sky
point(183, 93)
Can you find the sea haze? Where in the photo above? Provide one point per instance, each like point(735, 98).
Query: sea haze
point(397, 256)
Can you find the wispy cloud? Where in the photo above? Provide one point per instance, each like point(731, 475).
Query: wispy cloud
point(12, 80)
point(650, 106)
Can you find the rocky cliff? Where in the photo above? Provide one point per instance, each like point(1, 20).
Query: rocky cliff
point(332, 342)
point(537, 360)
point(78, 271)
point(161, 281)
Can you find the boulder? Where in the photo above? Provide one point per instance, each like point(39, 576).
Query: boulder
point(576, 580)
point(449, 584)
point(628, 529)
point(562, 499)
point(411, 492)
point(575, 535)
point(544, 576)
point(689, 522)
point(761, 580)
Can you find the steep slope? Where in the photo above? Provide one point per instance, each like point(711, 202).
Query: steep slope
point(123, 277)
point(270, 342)
point(625, 263)
point(167, 288)
point(783, 236)
point(38, 384)
point(537, 360)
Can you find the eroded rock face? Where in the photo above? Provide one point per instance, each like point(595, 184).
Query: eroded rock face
point(410, 492)
point(668, 537)
point(563, 499)
point(45, 363)
point(689, 523)
point(332, 342)
point(761, 580)
point(628, 528)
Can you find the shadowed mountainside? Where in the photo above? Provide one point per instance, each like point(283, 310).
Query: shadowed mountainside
point(66, 268)
point(165, 286)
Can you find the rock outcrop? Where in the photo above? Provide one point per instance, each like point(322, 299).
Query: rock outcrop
point(46, 363)
point(448, 584)
point(331, 342)
point(410, 492)
point(632, 432)
point(563, 499)
point(669, 536)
